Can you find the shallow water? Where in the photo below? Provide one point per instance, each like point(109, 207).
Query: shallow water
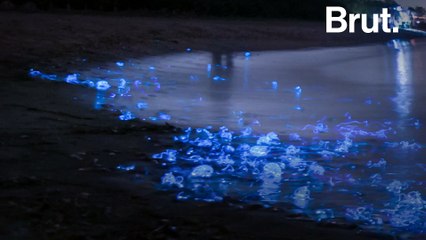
point(349, 128)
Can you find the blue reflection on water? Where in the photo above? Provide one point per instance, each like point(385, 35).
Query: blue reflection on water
point(403, 75)
point(351, 176)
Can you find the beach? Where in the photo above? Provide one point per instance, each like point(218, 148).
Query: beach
point(59, 155)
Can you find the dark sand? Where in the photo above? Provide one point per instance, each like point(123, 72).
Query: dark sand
point(58, 155)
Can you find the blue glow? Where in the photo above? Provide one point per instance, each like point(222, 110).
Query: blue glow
point(219, 78)
point(34, 73)
point(403, 75)
point(396, 187)
point(246, 131)
point(102, 85)
point(120, 64)
point(379, 164)
point(169, 155)
point(294, 137)
point(164, 116)
point(203, 171)
point(126, 116)
point(272, 170)
point(169, 179)
point(363, 214)
point(142, 105)
point(301, 197)
point(298, 108)
point(259, 151)
point(316, 169)
point(209, 69)
point(38, 74)
point(88, 83)
point(126, 167)
point(268, 160)
point(72, 79)
point(313, 162)
point(298, 91)
point(270, 139)
point(323, 214)
point(247, 54)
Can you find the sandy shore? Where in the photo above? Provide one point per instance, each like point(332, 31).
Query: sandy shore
point(58, 155)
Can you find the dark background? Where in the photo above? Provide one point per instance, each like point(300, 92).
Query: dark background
point(296, 9)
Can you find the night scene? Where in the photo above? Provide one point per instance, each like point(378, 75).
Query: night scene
point(213, 119)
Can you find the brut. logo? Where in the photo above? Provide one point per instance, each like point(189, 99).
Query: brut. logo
point(372, 27)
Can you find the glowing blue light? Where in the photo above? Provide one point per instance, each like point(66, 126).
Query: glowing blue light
point(404, 78)
point(137, 83)
point(126, 167)
point(298, 91)
point(316, 169)
point(295, 162)
point(251, 165)
point(164, 116)
point(38, 74)
point(368, 101)
point(417, 123)
point(34, 73)
point(183, 196)
point(301, 197)
point(72, 79)
point(188, 50)
point(122, 83)
point(259, 151)
point(344, 146)
point(320, 128)
point(169, 179)
point(405, 145)
point(322, 214)
point(348, 116)
point(194, 78)
point(203, 171)
point(272, 170)
point(294, 137)
point(302, 193)
point(88, 83)
point(360, 214)
point(298, 108)
point(219, 78)
point(407, 211)
point(270, 139)
point(142, 105)
point(168, 155)
point(380, 164)
point(246, 131)
point(228, 149)
point(395, 187)
point(50, 77)
point(225, 134)
point(292, 150)
point(247, 54)
point(126, 116)
point(120, 64)
point(102, 85)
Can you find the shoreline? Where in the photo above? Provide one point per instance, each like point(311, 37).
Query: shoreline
point(58, 169)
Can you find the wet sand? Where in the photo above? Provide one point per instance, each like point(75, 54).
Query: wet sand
point(58, 174)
